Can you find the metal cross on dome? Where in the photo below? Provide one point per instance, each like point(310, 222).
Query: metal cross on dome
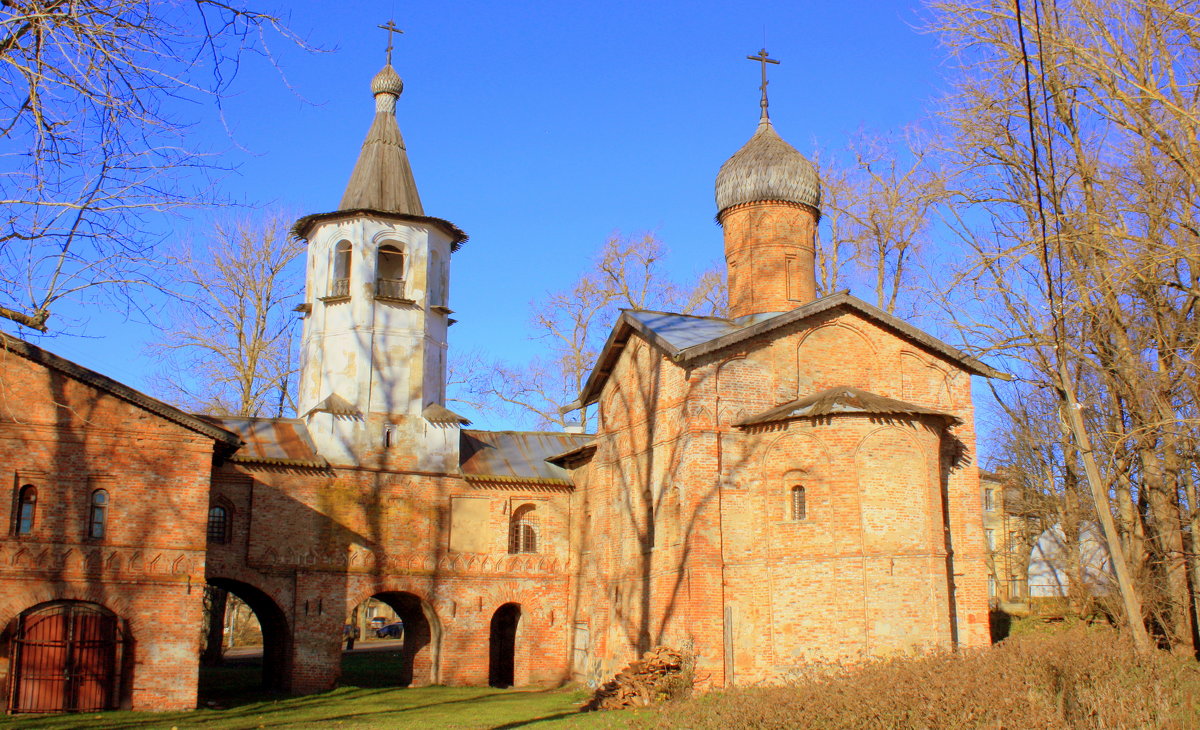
point(391, 28)
point(762, 59)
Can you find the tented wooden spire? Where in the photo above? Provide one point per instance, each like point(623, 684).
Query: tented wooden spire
point(382, 179)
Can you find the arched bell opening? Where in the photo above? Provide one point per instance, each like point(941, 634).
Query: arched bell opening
point(502, 645)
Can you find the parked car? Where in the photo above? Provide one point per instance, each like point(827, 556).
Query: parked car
point(378, 622)
point(391, 631)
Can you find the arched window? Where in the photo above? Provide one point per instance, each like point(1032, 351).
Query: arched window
point(339, 285)
point(389, 272)
point(218, 524)
point(98, 516)
point(522, 532)
point(26, 509)
point(799, 508)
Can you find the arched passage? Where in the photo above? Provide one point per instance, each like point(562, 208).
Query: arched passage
point(502, 645)
point(67, 656)
point(421, 635)
point(276, 656)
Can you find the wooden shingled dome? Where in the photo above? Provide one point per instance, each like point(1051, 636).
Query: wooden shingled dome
point(767, 168)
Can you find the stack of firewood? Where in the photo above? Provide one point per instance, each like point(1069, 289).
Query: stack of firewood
point(653, 678)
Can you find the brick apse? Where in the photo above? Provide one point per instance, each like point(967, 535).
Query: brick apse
point(788, 484)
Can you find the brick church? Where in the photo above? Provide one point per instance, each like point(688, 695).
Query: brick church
point(791, 483)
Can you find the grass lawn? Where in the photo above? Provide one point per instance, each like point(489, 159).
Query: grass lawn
point(360, 702)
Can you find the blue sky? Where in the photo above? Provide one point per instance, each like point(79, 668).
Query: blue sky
point(540, 128)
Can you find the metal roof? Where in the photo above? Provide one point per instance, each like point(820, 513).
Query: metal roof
point(335, 404)
point(517, 457)
point(685, 338)
point(842, 400)
point(74, 370)
point(280, 441)
point(683, 331)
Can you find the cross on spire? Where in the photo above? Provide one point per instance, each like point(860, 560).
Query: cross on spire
point(762, 59)
point(391, 28)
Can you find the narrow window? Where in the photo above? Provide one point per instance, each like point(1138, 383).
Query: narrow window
point(792, 270)
point(799, 507)
point(389, 272)
point(437, 280)
point(522, 536)
point(989, 499)
point(340, 284)
point(26, 508)
point(990, 536)
point(218, 524)
point(99, 515)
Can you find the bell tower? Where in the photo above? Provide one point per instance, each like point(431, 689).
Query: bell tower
point(376, 311)
point(769, 203)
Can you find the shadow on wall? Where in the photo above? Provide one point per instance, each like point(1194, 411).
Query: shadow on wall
point(87, 528)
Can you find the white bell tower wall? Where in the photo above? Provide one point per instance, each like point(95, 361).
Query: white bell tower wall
point(374, 346)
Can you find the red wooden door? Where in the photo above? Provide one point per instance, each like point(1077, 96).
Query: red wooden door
point(67, 659)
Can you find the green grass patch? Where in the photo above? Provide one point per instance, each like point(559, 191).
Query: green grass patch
point(361, 702)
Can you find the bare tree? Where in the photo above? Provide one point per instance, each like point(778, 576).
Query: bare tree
point(878, 209)
point(573, 324)
point(1074, 129)
point(834, 246)
point(226, 346)
point(92, 114)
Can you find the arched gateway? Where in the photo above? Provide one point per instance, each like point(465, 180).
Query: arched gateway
point(67, 656)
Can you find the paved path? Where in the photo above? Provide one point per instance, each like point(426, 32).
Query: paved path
point(255, 652)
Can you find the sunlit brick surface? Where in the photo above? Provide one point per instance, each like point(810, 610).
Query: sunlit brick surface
point(69, 439)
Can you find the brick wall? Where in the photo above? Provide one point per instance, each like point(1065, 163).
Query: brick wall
point(319, 542)
point(728, 571)
point(769, 252)
point(69, 439)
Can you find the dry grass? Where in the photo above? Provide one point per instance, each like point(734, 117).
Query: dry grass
point(1080, 677)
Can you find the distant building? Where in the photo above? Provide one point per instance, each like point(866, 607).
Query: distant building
point(1010, 531)
point(1057, 560)
point(794, 482)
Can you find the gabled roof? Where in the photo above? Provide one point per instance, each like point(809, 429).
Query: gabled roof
point(517, 458)
point(335, 404)
point(842, 400)
point(104, 383)
point(435, 413)
point(685, 338)
point(273, 441)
